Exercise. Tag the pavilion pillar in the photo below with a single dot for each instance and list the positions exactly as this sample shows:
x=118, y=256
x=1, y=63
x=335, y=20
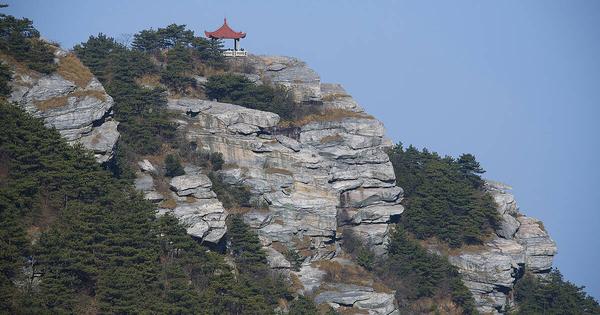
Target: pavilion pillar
x=235, y=44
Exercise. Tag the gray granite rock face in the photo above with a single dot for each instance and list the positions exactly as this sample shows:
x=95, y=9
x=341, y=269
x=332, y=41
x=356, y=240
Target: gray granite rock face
x=82, y=114
x=539, y=247
x=197, y=206
x=333, y=176
x=292, y=73
x=188, y=184
x=146, y=166
x=335, y=97
x=522, y=244
x=360, y=297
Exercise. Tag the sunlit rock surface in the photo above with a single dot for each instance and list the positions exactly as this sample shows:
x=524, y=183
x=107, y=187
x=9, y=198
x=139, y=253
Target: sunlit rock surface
x=80, y=111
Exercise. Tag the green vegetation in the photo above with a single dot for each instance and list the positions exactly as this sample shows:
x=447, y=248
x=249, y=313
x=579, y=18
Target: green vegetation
x=232, y=196
x=176, y=75
x=97, y=244
x=236, y=89
x=173, y=54
x=20, y=40
x=444, y=197
x=422, y=274
x=303, y=306
x=552, y=295
x=144, y=122
x=153, y=41
x=412, y=271
x=173, y=166
x=5, y=77
x=264, y=287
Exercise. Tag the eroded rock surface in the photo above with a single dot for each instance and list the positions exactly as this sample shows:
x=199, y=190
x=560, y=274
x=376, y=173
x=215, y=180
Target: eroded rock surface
x=80, y=111
x=196, y=205
x=330, y=177
x=324, y=178
x=360, y=297
x=521, y=244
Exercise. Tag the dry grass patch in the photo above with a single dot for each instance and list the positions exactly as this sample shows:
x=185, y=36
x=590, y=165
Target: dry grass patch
x=60, y=101
x=168, y=203
x=18, y=67
x=334, y=114
x=333, y=97
x=446, y=250
x=296, y=283
x=71, y=68
x=52, y=103
x=149, y=80
x=276, y=170
x=331, y=138
x=336, y=272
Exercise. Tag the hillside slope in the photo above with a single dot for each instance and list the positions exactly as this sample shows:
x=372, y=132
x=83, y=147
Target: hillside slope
x=289, y=193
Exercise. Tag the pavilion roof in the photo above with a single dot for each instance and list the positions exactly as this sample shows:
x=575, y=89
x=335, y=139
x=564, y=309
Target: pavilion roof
x=225, y=32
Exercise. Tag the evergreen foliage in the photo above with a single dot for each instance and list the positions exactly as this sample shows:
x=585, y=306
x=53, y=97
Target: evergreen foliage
x=20, y=40
x=422, y=274
x=176, y=76
x=444, y=197
x=552, y=295
x=101, y=248
x=173, y=166
x=411, y=270
x=5, y=77
x=236, y=89
x=154, y=41
x=144, y=121
x=303, y=306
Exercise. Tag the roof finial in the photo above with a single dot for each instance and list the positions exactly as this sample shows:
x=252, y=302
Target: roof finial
x=225, y=20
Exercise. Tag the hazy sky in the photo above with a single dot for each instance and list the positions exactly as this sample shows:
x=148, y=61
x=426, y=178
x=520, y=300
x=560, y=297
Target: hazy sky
x=517, y=83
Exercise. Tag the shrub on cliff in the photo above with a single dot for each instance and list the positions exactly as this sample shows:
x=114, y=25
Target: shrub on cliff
x=144, y=121
x=173, y=166
x=153, y=41
x=5, y=77
x=552, y=295
x=236, y=89
x=412, y=271
x=98, y=245
x=444, y=197
x=20, y=40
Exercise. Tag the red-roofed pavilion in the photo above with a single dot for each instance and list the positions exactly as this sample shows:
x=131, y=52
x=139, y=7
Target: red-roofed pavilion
x=225, y=32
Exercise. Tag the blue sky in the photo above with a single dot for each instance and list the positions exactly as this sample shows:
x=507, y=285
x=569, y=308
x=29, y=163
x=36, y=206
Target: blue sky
x=517, y=83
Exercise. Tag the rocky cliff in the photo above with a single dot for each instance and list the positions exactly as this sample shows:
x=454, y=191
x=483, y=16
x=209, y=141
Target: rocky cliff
x=330, y=176
x=491, y=270
x=314, y=182
x=71, y=100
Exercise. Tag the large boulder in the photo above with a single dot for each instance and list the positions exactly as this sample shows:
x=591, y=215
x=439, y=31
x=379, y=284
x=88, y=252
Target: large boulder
x=188, y=184
x=80, y=111
x=360, y=297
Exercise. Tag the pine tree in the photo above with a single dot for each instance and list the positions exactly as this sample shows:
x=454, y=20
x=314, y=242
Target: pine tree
x=173, y=166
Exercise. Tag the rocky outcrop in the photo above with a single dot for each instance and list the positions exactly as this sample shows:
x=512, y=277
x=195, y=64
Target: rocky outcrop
x=70, y=100
x=292, y=73
x=326, y=178
x=330, y=177
x=334, y=96
x=195, y=204
x=359, y=297
x=491, y=270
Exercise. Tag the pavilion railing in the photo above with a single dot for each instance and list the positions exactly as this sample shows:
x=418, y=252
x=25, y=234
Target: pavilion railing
x=235, y=53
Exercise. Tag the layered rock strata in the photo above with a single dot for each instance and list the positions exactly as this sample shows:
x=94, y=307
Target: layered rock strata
x=195, y=204
x=521, y=244
x=325, y=179
x=72, y=101
x=329, y=177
